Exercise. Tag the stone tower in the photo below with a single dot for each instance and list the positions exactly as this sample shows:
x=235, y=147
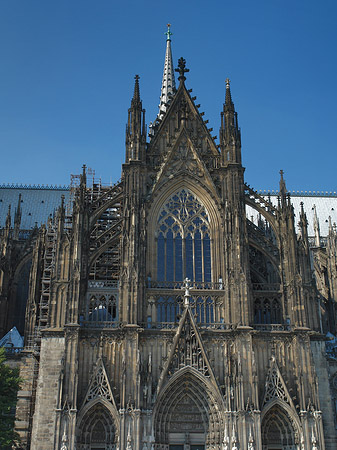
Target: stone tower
x=160, y=317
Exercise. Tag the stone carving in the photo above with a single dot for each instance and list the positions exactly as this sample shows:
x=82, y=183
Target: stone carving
x=99, y=386
x=275, y=386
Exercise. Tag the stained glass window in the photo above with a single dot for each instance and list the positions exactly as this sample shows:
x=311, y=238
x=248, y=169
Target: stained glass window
x=183, y=239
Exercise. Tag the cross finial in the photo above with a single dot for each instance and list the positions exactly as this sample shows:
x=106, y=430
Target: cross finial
x=281, y=173
x=168, y=32
x=187, y=296
x=182, y=69
x=227, y=81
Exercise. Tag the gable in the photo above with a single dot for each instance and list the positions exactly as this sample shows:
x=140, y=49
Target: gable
x=182, y=113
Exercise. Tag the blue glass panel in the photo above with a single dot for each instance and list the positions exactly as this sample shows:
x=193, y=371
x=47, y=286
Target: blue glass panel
x=161, y=310
x=209, y=311
x=178, y=258
x=189, y=257
x=207, y=258
x=200, y=311
x=169, y=256
x=197, y=256
x=171, y=310
x=161, y=258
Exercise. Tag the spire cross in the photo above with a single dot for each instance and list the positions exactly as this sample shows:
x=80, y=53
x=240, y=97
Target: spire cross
x=182, y=69
x=168, y=32
x=227, y=81
x=281, y=173
x=187, y=296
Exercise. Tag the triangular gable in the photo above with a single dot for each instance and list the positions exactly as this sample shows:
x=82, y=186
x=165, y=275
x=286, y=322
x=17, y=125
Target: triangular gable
x=99, y=386
x=187, y=350
x=275, y=386
x=182, y=158
x=182, y=109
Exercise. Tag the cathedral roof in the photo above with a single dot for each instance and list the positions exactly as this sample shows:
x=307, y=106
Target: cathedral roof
x=37, y=202
x=325, y=203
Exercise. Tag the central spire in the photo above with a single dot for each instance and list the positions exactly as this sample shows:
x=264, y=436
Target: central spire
x=168, y=87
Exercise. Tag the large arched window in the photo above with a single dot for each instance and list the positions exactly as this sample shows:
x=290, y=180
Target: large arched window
x=183, y=239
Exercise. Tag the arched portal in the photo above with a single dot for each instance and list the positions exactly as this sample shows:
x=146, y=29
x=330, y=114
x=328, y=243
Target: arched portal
x=278, y=431
x=97, y=430
x=188, y=413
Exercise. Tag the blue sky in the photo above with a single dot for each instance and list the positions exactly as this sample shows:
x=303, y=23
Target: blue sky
x=67, y=69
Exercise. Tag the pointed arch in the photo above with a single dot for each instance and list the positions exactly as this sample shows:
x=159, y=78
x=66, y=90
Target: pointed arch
x=189, y=404
x=209, y=201
x=280, y=426
x=97, y=424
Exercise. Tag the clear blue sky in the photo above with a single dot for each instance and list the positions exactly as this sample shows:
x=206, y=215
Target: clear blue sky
x=67, y=68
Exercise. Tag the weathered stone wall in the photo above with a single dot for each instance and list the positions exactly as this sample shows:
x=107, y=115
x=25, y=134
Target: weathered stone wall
x=47, y=392
x=25, y=403
x=319, y=356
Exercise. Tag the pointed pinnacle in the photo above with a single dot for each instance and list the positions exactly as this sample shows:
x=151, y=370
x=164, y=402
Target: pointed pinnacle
x=136, y=95
x=283, y=189
x=228, y=98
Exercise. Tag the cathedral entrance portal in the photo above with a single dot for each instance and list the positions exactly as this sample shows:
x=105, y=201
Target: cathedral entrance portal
x=97, y=429
x=187, y=415
x=277, y=431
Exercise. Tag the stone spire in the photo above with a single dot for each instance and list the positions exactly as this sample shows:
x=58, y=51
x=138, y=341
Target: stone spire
x=135, y=129
x=168, y=86
x=228, y=98
x=230, y=135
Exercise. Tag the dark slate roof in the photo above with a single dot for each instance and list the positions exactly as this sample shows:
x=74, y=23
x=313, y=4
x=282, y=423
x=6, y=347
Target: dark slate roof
x=37, y=202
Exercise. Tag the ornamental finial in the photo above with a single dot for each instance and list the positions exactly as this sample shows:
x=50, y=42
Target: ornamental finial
x=168, y=32
x=227, y=81
x=182, y=69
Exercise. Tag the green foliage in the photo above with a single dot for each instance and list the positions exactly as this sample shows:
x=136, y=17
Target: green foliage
x=9, y=386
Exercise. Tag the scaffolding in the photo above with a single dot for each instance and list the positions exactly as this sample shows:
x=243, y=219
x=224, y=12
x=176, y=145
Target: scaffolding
x=48, y=267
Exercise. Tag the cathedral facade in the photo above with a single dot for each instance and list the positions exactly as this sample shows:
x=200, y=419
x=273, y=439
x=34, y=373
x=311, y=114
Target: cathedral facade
x=159, y=316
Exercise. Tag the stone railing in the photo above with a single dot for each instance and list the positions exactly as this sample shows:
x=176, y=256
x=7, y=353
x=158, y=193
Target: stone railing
x=100, y=324
x=202, y=285
x=102, y=284
x=272, y=327
x=267, y=287
x=173, y=325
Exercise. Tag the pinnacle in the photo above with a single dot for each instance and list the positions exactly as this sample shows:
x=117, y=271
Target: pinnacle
x=136, y=94
x=283, y=189
x=228, y=98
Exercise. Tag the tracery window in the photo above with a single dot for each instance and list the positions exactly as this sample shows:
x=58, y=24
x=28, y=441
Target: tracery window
x=267, y=311
x=102, y=309
x=169, y=309
x=183, y=239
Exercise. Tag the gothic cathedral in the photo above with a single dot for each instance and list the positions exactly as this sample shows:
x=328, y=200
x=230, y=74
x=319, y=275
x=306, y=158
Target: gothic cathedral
x=160, y=317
